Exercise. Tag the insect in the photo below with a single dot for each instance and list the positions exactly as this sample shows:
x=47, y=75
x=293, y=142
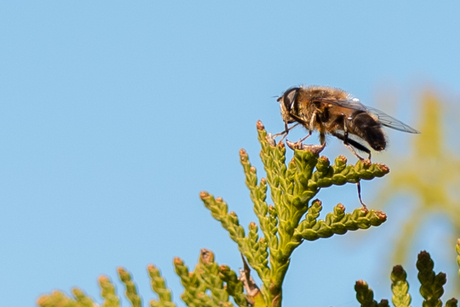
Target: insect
x=333, y=111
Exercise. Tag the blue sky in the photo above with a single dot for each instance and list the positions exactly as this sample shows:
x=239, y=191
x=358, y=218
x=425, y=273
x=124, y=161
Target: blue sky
x=115, y=115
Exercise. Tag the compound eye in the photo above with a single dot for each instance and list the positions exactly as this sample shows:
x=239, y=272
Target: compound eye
x=289, y=98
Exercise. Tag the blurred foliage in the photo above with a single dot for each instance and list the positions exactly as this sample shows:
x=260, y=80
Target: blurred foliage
x=431, y=173
x=431, y=285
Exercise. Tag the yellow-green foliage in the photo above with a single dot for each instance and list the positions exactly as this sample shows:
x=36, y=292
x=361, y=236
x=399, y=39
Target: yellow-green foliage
x=292, y=218
x=431, y=286
x=430, y=173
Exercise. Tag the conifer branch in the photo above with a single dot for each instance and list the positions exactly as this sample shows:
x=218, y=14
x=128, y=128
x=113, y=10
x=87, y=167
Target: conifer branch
x=292, y=218
x=284, y=225
x=431, y=287
x=159, y=287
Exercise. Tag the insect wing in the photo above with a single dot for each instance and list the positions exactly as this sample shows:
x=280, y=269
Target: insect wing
x=383, y=118
x=391, y=122
x=351, y=103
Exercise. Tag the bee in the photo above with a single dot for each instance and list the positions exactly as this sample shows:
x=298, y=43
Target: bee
x=333, y=111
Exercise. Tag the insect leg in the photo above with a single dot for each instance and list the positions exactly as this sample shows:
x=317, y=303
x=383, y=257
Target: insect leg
x=301, y=140
x=310, y=130
x=286, y=131
x=359, y=195
x=322, y=138
x=349, y=143
x=349, y=146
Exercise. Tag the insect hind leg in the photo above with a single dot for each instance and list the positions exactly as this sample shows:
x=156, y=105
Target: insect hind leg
x=359, y=196
x=352, y=144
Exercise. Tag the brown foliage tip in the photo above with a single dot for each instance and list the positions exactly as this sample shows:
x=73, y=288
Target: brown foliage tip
x=260, y=126
x=385, y=169
x=103, y=279
x=360, y=285
x=315, y=149
x=204, y=194
x=381, y=215
x=177, y=261
x=398, y=272
x=151, y=268
x=206, y=256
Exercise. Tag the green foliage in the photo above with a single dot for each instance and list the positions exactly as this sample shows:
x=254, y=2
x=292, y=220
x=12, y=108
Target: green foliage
x=293, y=218
x=208, y=276
x=159, y=287
x=366, y=296
x=131, y=291
x=400, y=287
x=431, y=286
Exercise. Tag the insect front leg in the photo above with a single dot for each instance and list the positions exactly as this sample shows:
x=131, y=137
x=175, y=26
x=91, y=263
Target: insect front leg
x=286, y=131
x=310, y=126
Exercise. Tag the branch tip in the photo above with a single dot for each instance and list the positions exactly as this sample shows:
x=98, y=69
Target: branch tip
x=204, y=194
x=314, y=149
x=103, y=279
x=177, y=261
x=424, y=257
x=381, y=215
x=206, y=256
x=316, y=202
x=360, y=284
x=342, y=158
x=398, y=273
x=280, y=145
x=259, y=125
x=366, y=163
x=151, y=268
x=383, y=168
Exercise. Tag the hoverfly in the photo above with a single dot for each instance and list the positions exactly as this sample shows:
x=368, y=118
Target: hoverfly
x=334, y=111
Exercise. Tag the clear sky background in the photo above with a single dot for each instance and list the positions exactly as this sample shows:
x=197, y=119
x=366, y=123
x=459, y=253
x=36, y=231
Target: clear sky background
x=115, y=115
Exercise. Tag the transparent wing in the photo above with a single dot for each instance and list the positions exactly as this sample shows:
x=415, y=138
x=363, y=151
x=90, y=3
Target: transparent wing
x=383, y=118
x=391, y=122
x=350, y=103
